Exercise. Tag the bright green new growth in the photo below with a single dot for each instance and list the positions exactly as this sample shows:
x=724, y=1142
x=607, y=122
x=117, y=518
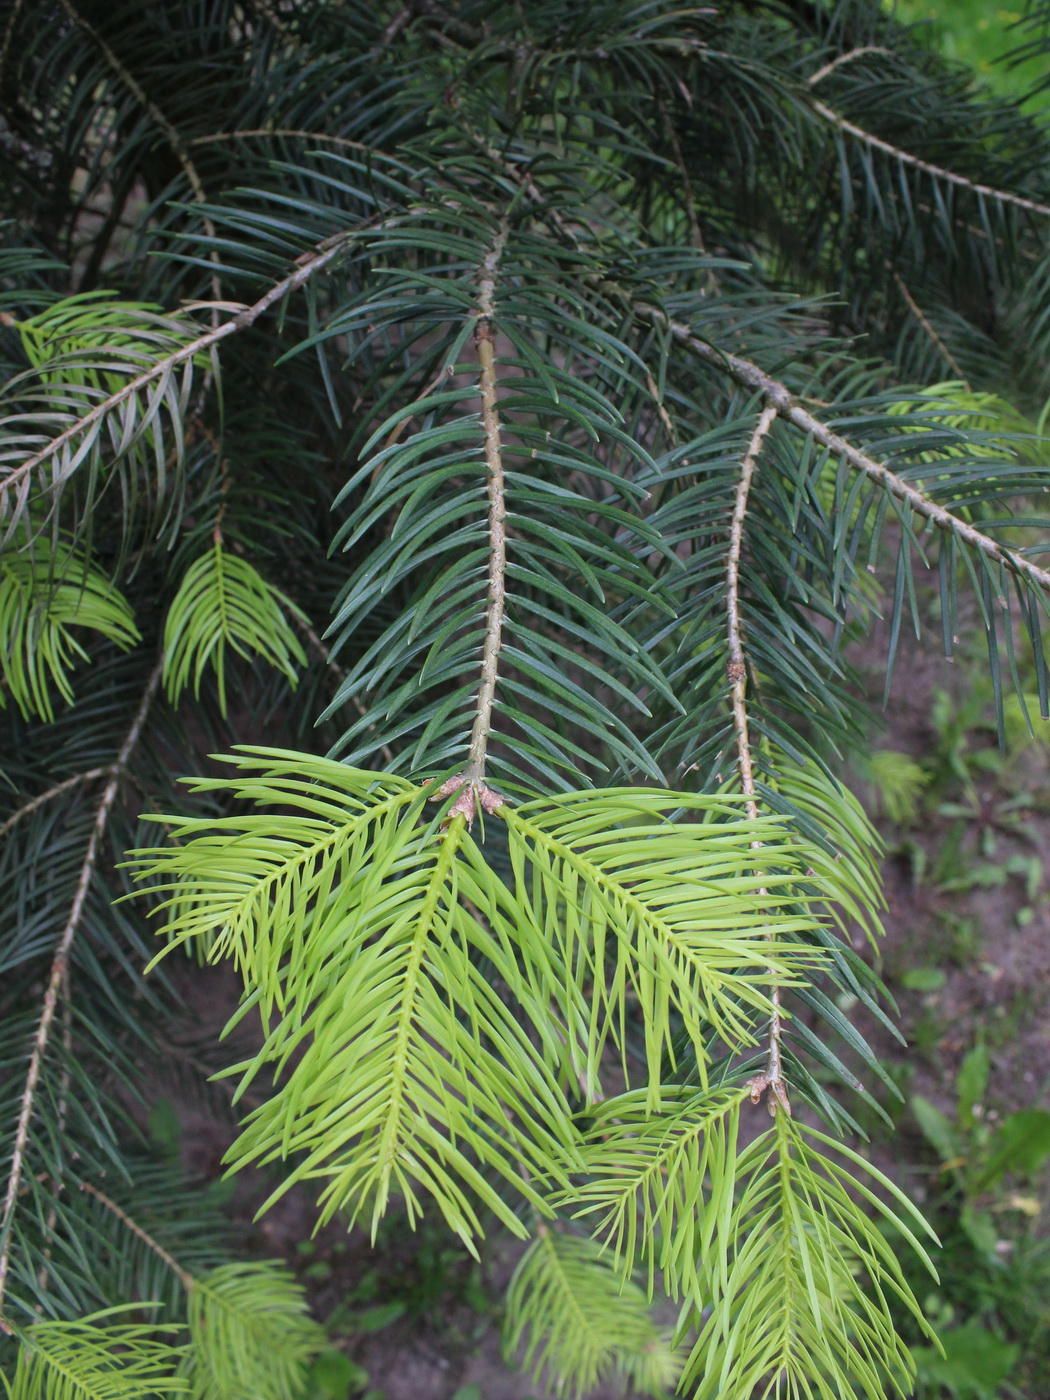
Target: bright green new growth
x=43, y=594
x=249, y=1334
x=224, y=602
x=576, y=1324
x=94, y=1359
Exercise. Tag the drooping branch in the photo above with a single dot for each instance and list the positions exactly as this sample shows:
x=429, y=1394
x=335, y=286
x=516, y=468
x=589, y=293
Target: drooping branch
x=59, y=965
x=927, y=167
x=736, y=669
x=312, y=263
x=747, y=374
x=471, y=783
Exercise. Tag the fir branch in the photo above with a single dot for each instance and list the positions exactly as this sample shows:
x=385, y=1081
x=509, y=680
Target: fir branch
x=927, y=167
x=394, y=28
x=747, y=374
x=171, y=134
x=822, y=73
x=737, y=666
x=59, y=965
x=281, y=131
x=772, y=1079
x=65, y=1083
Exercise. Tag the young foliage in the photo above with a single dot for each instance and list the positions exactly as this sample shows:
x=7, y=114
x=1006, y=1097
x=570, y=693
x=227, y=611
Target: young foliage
x=359, y=925
x=224, y=602
x=45, y=590
x=94, y=1358
x=105, y=400
x=801, y=1277
x=577, y=1325
x=249, y=1334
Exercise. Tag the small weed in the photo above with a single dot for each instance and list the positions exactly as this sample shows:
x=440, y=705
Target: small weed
x=992, y=1305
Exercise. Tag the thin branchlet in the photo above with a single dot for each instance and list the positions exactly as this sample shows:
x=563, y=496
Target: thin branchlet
x=41, y=800
x=59, y=965
x=171, y=133
x=736, y=669
x=924, y=321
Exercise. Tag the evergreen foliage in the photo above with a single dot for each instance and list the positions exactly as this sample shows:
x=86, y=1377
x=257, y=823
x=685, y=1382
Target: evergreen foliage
x=579, y=371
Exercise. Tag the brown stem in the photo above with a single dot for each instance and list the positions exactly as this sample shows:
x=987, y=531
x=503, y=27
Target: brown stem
x=214, y=136
x=822, y=73
x=772, y=1079
x=63, y=1108
x=59, y=964
x=398, y=23
x=485, y=339
x=184, y=1277
x=471, y=782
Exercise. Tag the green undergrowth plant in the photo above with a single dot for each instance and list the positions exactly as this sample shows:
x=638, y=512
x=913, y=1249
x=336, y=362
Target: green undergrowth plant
x=503, y=414
x=992, y=1301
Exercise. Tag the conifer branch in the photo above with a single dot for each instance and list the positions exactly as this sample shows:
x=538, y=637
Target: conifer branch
x=747, y=374
x=924, y=321
x=777, y=395
x=64, y=1086
x=286, y=131
x=822, y=73
x=736, y=669
x=312, y=263
x=59, y=965
x=394, y=28
x=927, y=167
